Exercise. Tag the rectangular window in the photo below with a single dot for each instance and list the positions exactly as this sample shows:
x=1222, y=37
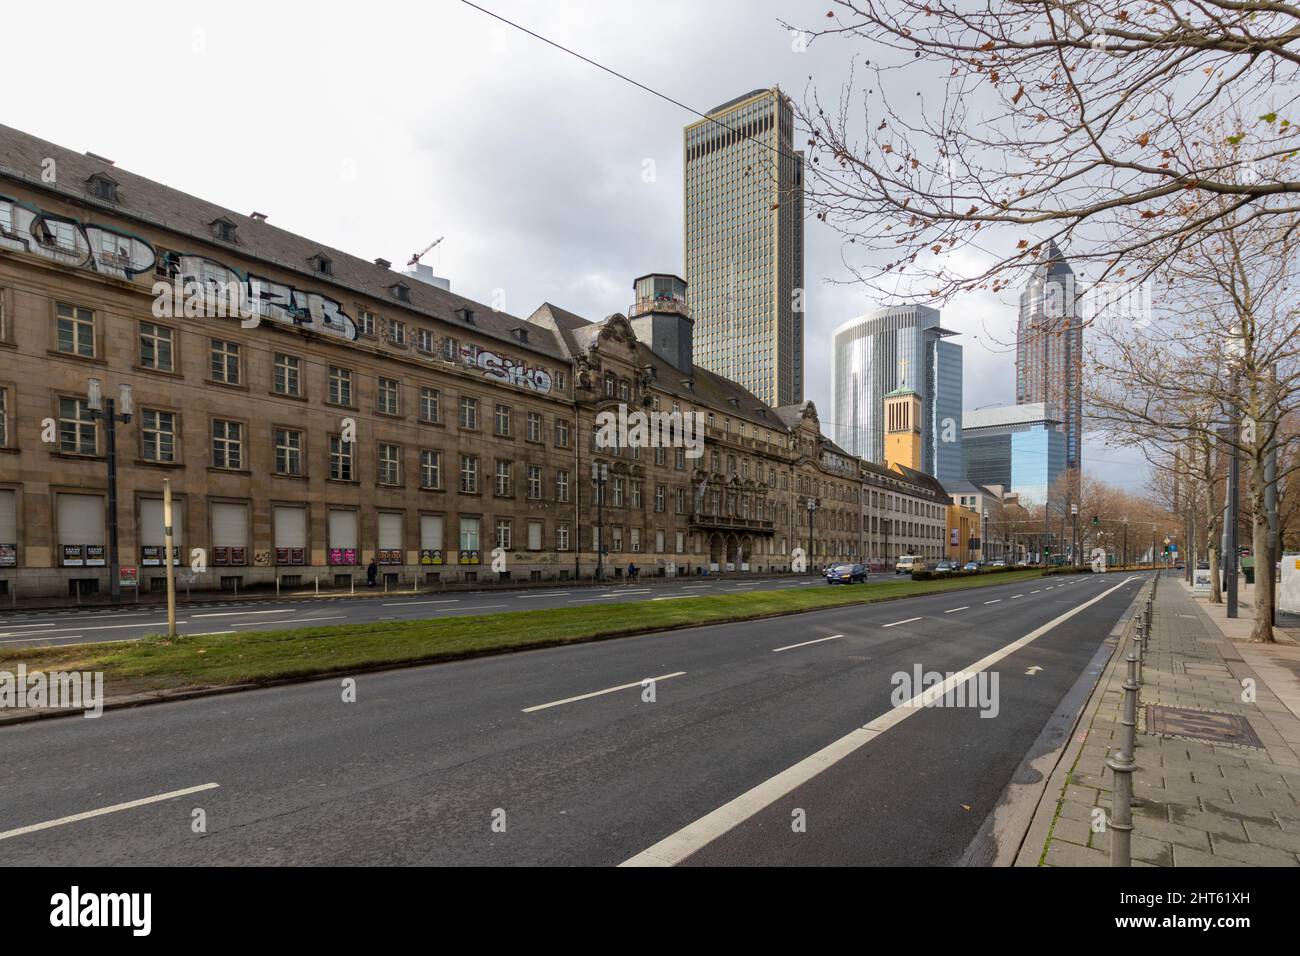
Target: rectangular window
x=618, y=492
x=430, y=404
x=424, y=340
x=288, y=374
x=469, y=536
x=76, y=330
x=390, y=464
x=157, y=435
x=561, y=433
x=225, y=362
x=636, y=540
x=340, y=386
x=636, y=494
x=388, y=396
x=157, y=347
x=4, y=417
x=534, y=426
x=504, y=481
x=561, y=537
x=430, y=468
x=535, y=482
x=397, y=333
x=227, y=444
x=535, y=535
x=661, y=496
x=288, y=451
x=77, y=432
x=561, y=485
x=503, y=420
x=469, y=474
x=450, y=349
x=340, y=459
x=505, y=529
x=366, y=322
x=679, y=459
x=468, y=412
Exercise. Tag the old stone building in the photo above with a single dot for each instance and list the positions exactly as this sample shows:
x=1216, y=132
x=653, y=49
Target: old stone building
x=315, y=411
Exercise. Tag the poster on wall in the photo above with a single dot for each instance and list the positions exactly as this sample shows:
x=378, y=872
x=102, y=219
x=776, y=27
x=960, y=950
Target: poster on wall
x=343, y=556
x=389, y=556
x=95, y=555
x=8, y=555
x=469, y=557
x=73, y=556
x=431, y=556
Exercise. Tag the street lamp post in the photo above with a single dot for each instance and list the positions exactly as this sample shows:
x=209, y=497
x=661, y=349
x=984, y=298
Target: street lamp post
x=812, y=509
x=984, y=537
x=1126, y=541
x=105, y=410
x=1074, y=534
x=599, y=478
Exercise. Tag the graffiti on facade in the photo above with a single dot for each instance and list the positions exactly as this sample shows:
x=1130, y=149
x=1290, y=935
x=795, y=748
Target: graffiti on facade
x=499, y=368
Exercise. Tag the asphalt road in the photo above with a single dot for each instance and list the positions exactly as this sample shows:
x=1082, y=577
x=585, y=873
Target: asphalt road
x=131, y=621
x=560, y=746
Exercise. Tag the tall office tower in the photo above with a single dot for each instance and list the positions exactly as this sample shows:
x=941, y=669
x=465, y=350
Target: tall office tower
x=1049, y=347
x=903, y=347
x=1019, y=447
x=744, y=244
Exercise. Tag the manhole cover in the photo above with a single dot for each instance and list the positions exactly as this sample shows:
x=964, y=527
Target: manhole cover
x=1203, y=725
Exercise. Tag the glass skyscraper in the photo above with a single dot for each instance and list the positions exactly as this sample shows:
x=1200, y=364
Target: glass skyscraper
x=1020, y=447
x=744, y=244
x=1049, y=347
x=900, y=347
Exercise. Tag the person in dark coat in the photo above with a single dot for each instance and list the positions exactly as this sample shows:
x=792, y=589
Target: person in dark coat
x=372, y=572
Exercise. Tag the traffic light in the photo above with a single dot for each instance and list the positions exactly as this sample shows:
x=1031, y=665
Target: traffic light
x=1095, y=521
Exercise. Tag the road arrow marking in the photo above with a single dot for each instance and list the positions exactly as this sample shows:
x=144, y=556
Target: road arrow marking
x=1033, y=670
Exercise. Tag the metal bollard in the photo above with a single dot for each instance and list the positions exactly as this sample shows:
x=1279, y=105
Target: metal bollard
x=1122, y=764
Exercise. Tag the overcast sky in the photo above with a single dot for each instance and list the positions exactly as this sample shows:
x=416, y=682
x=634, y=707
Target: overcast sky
x=379, y=127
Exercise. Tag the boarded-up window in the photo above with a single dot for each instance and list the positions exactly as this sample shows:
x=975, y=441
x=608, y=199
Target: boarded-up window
x=81, y=529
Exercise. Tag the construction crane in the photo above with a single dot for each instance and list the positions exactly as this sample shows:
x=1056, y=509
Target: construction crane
x=415, y=259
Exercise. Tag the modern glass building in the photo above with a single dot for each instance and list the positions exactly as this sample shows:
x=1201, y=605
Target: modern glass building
x=1020, y=447
x=1049, y=347
x=899, y=347
x=744, y=246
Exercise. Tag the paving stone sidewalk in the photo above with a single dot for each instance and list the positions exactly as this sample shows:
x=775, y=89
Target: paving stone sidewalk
x=1196, y=802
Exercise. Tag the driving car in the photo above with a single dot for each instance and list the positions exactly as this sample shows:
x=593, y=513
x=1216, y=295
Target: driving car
x=999, y=563
x=907, y=563
x=846, y=574
x=945, y=567
x=971, y=566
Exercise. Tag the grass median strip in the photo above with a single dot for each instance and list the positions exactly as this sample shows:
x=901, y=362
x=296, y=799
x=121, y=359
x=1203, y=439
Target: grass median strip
x=158, y=663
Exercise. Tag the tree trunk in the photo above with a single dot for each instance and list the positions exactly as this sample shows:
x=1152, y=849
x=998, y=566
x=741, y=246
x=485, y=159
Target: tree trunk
x=1262, y=632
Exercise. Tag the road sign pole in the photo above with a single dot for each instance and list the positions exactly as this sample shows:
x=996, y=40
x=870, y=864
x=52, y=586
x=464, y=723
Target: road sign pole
x=167, y=558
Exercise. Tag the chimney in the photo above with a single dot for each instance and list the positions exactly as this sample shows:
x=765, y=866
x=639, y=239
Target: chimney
x=259, y=216
x=383, y=263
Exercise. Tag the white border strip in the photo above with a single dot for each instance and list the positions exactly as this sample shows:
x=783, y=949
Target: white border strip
x=89, y=814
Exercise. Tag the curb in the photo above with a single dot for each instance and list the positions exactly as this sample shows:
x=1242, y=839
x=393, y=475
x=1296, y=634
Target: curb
x=146, y=698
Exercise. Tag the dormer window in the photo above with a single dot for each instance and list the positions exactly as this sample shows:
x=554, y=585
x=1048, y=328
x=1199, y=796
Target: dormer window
x=521, y=335
x=466, y=315
x=322, y=264
x=223, y=229
x=102, y=187
x=401, y=291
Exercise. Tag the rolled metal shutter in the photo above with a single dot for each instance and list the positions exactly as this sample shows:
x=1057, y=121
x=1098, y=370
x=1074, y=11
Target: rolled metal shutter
x=151, y=523
x=290, y=527
x=343, y=529
x=390, y=531
x=229, y=525
x=534, y=536
x=430, y=532
x=81, y=519
x=8, y=516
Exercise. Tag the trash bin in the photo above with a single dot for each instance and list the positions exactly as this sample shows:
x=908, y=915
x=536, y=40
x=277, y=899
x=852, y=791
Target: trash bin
x=1248, y=569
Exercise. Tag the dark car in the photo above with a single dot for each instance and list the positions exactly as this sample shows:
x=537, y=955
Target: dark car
x=945, y=567
x=845, y=574
x=971, y=566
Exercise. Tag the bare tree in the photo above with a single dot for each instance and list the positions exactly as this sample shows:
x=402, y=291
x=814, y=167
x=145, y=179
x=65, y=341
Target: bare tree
x=1128, y=126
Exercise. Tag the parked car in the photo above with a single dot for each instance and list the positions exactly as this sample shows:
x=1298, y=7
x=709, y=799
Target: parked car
x=846, y=574
x=971, y=566
x=908, y=563
x=945, y=567
x=999, y=563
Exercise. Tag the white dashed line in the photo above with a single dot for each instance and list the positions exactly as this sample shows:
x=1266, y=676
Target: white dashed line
x=896, y=623
x=598, y=693
x=790, y=647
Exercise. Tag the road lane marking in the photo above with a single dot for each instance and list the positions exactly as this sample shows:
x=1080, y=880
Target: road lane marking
x=287, y=610
x=550, y=594
x=598, y=693
x=1014, y=596
x=896, y=623
x=89, y=814
x=790, y=647
x=693, y=837
x=994, y=601
x=298, y=620
x=209, y=633
x=412, y=603
x=1035, y=592
x=671, y=597
x=954, y=610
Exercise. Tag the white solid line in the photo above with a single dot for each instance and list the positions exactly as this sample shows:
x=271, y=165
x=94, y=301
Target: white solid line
x=694, y=836
x=994, y=601
x=287, y=610
x=671, y=597
x=208, y=633
x=130, y=804
x=964, y=607
x=896, y=623
x=60, y=637
x=297, y=620
x=598, y=693
x=790, y=647
x=405, y=603
x=549, y=594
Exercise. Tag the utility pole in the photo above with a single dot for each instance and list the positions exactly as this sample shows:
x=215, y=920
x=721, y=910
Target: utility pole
x=812, y=509
x=167, y=557
x=1074, y=534
x=1232, y=517
x=105, y=410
